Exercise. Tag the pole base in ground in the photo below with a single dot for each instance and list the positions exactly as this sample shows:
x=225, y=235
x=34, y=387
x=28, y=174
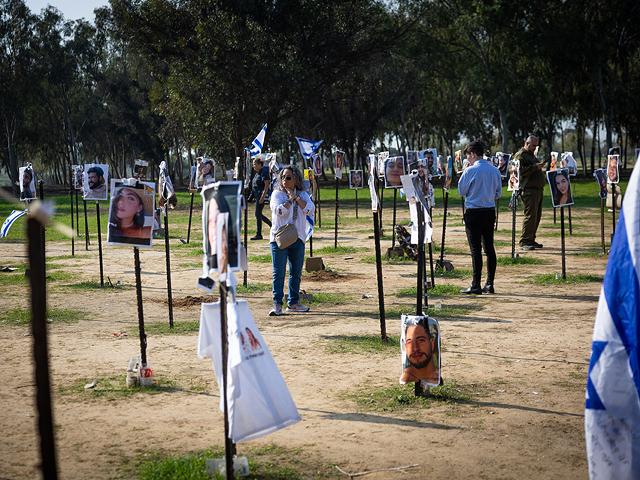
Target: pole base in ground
x=314, y=264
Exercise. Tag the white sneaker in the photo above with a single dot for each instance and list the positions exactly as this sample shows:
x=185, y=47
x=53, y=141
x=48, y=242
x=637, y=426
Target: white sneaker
x=276, y=310
x=297, y=308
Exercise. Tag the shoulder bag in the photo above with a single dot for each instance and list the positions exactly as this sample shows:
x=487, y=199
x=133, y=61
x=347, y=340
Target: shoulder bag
x=287, y=234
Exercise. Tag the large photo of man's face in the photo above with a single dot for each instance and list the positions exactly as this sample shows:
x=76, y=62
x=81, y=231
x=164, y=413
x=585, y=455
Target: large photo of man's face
x=95, y=181
x=613, y=175
x=601, y=178
x=420, y=347
x=27, y=184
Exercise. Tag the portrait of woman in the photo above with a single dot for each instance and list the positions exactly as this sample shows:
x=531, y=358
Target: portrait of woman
x=355, y=179
x=393, y=169
x=613, y=175
x=554, y=159
x=130, y=215
x=317, y=164
x=514, y=176
x=601, y=178
x=206, y=171
x=290, y=204
x=560, y=187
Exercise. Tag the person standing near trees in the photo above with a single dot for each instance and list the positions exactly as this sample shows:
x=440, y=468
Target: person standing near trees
x=532, y=183
x=260, y=187
x=481, y=185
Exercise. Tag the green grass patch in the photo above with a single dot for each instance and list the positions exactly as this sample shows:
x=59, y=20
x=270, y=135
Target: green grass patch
x=597, y=254
x=272, y=462
x=329, y=299
x=520, y=261
x=162, y=328
x=14, y=278
x=260, y=258
x=455, y=273
x=19, y=316
x=401, y=398
x=442, y=290
x=256, y=287
x=60, y=277
x=550, y=279
x=95, y=285
x=393, y=261
x=339, y=250
x=362, y=344
x=115, y=387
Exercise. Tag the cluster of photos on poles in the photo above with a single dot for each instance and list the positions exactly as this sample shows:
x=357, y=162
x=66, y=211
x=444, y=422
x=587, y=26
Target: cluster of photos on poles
x=251, y=370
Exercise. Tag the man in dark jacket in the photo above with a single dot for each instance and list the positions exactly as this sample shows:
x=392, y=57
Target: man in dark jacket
x=531, y=173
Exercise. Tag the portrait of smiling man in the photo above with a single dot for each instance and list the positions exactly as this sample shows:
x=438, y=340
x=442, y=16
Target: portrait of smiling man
x=421, y=352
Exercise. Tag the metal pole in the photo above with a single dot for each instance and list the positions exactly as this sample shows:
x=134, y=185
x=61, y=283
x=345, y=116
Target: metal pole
x=143, y=336
x=41, y=187
x=38, y=281
x=420, y=210
x=564, y=269
x=433, y=277
x=86, y=225
x=613, y=209
x=190, y=213
x=376, y=233
x=570, y=228
x=393, y=228
x=602, y=222
x=335, y=240
x=73, y=245
x=166, y=248
x=514, y=204
x=356, y=203
x=229, y=447
x=99, y=243
x=244, y=175
x=444, y=229
x=77, y=216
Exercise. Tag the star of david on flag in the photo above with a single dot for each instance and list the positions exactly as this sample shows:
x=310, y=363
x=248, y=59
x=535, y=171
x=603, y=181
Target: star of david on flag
x=308, y=147
x=612, y=410
x=257, y=144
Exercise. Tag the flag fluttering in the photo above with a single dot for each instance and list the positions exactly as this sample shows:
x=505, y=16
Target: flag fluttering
x=612, y=410
x=257, y=144
x=308, y=147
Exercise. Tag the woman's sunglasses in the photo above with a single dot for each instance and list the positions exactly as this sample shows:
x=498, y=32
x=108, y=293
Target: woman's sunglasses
x=287, y=177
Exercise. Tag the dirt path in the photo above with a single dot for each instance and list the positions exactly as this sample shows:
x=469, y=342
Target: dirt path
x=516, y=363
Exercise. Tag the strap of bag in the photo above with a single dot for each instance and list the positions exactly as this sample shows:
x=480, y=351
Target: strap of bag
x=295, y=212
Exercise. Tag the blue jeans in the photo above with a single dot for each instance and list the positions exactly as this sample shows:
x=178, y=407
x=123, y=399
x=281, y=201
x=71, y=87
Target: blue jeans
x=295, y=254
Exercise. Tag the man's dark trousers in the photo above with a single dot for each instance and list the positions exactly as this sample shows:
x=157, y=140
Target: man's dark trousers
x=532, y=212
x=260, y=217
x=479, y=223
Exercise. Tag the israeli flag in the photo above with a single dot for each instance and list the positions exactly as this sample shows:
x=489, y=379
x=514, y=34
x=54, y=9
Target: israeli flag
x=256, y=146
x=612, y=411
x=9, y=221
x=308, y=147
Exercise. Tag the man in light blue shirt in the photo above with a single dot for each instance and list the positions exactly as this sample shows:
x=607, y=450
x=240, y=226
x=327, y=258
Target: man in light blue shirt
x=481, y=184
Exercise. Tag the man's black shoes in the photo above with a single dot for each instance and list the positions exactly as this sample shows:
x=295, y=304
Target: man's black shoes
x=472, y=289
x=537, y=245
x=257, y=237
x=488, y=288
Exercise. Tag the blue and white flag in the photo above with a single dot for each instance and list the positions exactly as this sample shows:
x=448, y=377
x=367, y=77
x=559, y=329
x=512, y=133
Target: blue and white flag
x=612, y=411
x=308, y=147
x=9, y=221
x=256, y=146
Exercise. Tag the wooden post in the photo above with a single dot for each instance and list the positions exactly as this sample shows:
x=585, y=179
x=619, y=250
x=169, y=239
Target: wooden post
x=356, y=203
x=38, y=281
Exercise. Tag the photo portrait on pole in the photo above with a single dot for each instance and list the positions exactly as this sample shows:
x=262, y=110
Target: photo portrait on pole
x=339, y=162
x=355, y=179
x=140, y=169
x=131, y=213
x=78, y=176
x=567, y=161
x=613, y=173
x=560, y=186
x=221, y=197
x=513, y=171
x=601, y=177
x=420, y=349
x=317, y=164
x=554, y=161
x=27, y=183
x=95, y=183
x=382, y=158
x=393, y=170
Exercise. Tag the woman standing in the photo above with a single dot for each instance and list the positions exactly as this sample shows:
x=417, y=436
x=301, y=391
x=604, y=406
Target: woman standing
x=290, y=203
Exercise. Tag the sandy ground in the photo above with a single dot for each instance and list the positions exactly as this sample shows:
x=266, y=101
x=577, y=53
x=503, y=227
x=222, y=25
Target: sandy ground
x=520, y=357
